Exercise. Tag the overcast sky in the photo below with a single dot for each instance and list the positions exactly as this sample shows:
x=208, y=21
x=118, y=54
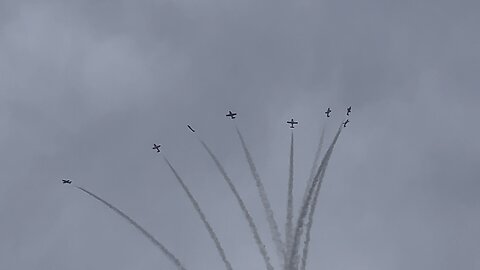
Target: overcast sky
x=87, y=87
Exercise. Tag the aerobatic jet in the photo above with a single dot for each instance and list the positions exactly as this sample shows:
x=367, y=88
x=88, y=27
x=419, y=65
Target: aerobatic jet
x=66, y=181
x=328, y=112
x=345, y=123
x=190, y=128
x=349, y=110
x=156, y=147
x=291, y=122
x=231, y=114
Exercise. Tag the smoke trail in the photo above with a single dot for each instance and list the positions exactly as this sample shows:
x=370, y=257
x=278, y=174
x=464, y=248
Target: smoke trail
x=253, y=227
x=167, y=253
x=277, y=239
x=315, y=164
x=210, y=230
x=288, y=225
x=309, y=226
x=313, y=204
x=293, y=257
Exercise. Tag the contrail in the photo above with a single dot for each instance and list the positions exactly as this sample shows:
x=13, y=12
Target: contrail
x=312, y=206
x=139, y=228
x=277, y=239
x=210, y=230
x=288, y=225
x=293, y=257
x=253, y=227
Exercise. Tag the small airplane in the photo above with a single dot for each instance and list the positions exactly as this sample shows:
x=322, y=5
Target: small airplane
x=291, y=122
x=66, y=181
x=190, y=128
x=328, y=112
x=230, y=114
x=345, y=123
x=156, y=147
x=349, y=110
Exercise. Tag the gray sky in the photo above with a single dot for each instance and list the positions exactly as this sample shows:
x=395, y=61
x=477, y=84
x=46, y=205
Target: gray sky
x=87, y=87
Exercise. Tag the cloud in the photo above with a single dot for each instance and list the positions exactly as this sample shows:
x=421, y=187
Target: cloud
x=88, y=86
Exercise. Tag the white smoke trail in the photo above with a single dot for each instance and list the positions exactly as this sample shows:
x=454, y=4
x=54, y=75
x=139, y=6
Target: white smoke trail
x=288, y=225
x=277, y=239
x=315, y=164
x=167, y=253
x=309, y=226
x=251, y=223
x=312, y=206
x=209, y=228
x=293, y=257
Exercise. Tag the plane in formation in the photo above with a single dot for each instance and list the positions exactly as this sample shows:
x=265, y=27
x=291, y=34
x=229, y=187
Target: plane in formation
x=66, y=181
x=156, y=147
x=345, y=123
x=291, y=122
x=231, y=114
x=349, y=110
x=328, y=112
x=190, y=128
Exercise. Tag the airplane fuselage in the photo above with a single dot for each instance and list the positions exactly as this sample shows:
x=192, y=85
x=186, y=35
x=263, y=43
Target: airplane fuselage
x=328, y=112
x=156, y=147
x=291, y=122
x=231, y=115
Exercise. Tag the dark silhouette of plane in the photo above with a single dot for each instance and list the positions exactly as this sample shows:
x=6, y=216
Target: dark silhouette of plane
x=190, y=128
x=328, y=112
x=349, y=110
x=230, y=114
x=156, y=147
x=66, y=181
x=345, y=123
x=291, y=122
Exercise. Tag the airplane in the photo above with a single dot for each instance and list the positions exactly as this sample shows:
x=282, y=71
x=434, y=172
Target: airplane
x=156, y=147
x=345, y=123
x=328, y=112
x=66, y=181
x=190, y=128
x=291, y=122
x=230, y=114
x=349, y=110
